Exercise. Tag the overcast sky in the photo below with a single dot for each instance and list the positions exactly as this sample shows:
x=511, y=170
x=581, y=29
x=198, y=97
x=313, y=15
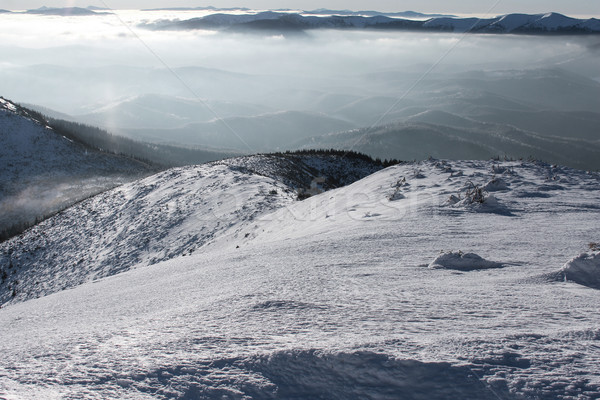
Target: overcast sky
x=572, y=7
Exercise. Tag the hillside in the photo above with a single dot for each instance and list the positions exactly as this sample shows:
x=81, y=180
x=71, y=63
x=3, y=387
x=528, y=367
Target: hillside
x=430, y=280
x=43, y=172
x=171, y=214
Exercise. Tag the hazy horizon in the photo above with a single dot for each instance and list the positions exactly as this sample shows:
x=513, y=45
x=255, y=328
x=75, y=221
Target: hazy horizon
x=277, y=91
x=573, y=8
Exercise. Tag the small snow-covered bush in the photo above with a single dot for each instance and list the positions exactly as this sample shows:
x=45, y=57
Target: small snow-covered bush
x=397, y=193
x=474, y=194
x=594, y=246
x=418, y=174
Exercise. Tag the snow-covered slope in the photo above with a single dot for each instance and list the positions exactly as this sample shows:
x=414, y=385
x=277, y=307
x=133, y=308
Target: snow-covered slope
x=171, y=214
x=330, y=297
x=43, y=172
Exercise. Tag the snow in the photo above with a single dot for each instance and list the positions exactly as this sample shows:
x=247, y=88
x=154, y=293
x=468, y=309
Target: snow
x=170, y=214
x=7, y=105
x=462, y=261
x=583, y=269
x=495, y=185
x=322, y=298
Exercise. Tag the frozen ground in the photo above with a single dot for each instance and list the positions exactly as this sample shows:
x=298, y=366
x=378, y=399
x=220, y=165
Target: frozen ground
x=332, y=297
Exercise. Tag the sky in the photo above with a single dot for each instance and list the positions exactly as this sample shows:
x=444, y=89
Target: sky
x=571, y=7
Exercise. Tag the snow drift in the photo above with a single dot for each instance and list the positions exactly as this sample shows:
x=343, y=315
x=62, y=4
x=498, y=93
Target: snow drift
x=462, y=262
x=583, y=269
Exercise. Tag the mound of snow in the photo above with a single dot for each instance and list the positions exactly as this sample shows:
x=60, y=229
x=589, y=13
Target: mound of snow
x=462, y=262
x=495, y=185
x=477, y=199
x=583, y=269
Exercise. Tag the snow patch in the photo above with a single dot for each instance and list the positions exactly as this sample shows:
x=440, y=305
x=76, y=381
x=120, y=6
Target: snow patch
x=8, y=105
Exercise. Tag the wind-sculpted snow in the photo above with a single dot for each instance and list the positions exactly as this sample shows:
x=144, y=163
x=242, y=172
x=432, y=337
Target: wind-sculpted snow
x=328, y=297
x=583, y=269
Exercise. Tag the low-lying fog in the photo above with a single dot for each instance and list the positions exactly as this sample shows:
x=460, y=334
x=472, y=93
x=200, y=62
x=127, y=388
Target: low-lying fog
x=503, y=94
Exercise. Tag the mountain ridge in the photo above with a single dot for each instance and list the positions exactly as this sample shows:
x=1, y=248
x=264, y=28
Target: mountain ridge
x=532, y=24
x=173, y=213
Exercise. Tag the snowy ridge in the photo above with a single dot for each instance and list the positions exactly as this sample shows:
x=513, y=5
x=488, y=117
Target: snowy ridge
x=171, y=214
x=283, y=21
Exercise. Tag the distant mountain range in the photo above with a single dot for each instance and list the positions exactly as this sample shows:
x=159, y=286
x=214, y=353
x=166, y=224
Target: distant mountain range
x=65, y=11
x=289, y=21
x=370, y=13
x=550, y=23
x=319, y=11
